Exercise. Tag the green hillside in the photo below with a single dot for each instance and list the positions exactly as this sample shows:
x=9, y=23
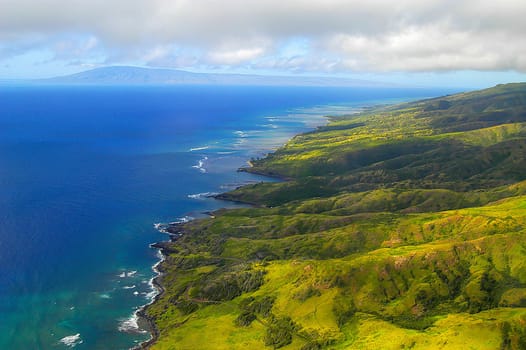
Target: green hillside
x=402, y=227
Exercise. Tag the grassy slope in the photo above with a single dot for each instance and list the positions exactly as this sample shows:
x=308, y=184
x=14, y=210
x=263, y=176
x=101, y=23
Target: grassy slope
x=403, y=227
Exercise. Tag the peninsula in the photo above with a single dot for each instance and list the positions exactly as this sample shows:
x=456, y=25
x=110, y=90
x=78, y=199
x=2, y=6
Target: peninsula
x=402, y=227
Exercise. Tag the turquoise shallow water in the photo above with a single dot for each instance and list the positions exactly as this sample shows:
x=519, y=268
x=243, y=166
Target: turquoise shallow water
x=86, y=172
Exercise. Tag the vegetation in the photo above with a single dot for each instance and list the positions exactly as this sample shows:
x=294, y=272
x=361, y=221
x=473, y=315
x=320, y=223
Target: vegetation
x=400, y=228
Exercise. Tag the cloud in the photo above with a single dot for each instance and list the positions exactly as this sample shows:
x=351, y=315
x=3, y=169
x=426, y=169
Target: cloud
x=430, y=48
x=236, y=56
x=335, y=35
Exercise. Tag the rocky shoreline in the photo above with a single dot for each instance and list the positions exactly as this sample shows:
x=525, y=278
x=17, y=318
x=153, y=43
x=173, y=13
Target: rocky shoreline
x=174, y=231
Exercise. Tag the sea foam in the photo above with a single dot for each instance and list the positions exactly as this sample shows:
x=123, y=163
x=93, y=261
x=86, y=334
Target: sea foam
x=71, y=340
x=203, y=195
x=163, y=227
x=201, y=165
x=125, y=274
x=199, y=148
x=131, y=325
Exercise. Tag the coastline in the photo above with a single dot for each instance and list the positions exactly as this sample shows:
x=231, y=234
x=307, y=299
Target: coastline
x=174, y=231
x=149, y=324
x=384, y=262
x=145, y=322
x=125, y=187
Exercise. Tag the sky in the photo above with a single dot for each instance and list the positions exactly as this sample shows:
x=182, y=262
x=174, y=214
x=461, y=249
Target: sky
x=471, y=43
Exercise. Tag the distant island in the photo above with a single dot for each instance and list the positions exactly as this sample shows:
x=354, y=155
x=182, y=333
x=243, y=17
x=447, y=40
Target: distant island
x=403, y=227
x=124, y=75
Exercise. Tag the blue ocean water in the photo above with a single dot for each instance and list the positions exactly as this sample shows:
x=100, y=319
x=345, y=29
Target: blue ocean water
x=86, y=172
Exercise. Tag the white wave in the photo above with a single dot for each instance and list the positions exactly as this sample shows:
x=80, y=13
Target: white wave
x=125, y=274
x=129, y=287
x=182, y=220
x=154, y=291
x=131, y=324
x=199, y=148
x=151, y=294
x=105, y=296
x=163, y=227
x=71, y=340
x=241, y=133
x=201, y=165
x=203, y=195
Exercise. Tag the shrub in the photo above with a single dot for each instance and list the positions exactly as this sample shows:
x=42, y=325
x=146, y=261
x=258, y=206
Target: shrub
x=263, y=306
x=311, y=346
x=513, y=335
x=186, y=306
x=343, y=308
x=279, y=332
x=245, y=318
x=227, y=287
x=250, y=307
x=306, y=293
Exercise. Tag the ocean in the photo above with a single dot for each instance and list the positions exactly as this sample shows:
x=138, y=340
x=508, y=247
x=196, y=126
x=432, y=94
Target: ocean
x=86, y=172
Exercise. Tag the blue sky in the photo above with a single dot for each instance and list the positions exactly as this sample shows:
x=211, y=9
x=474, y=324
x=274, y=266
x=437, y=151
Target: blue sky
x=462, y=43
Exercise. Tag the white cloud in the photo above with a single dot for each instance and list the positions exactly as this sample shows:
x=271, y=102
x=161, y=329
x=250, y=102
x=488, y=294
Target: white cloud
x=344, y=35
x=236, y=56
x=431, y=48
